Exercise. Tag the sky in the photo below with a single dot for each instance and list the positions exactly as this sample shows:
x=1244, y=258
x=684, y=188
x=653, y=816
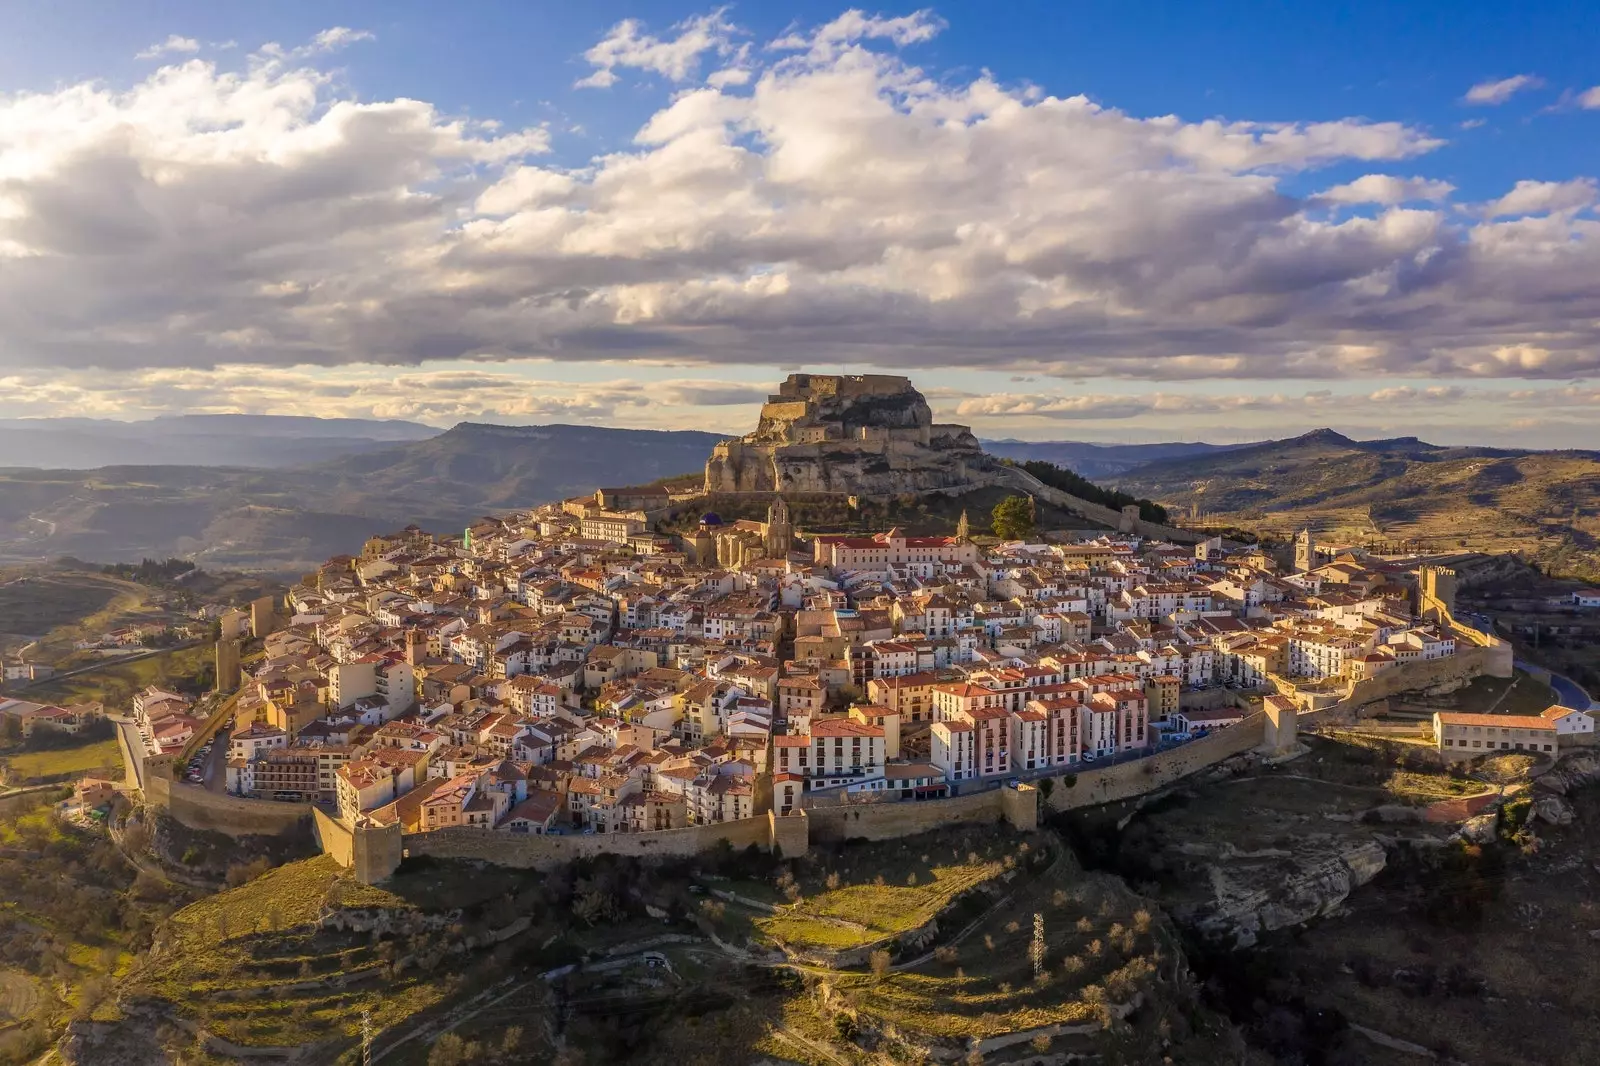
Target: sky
x=1118, y=222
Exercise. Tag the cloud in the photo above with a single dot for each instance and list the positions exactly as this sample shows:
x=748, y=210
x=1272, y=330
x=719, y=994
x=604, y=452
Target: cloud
x=173, y=45
x=854, y=25
x=1537, y=197
x=677, y=59
x=336, y=37
x=708, y=394
x=1388, y=190
x=1589, y=99
x=838, y=205
x=1165, y=405
x=1494, y=93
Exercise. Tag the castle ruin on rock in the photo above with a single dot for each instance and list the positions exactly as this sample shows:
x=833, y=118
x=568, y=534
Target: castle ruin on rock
x=862, y=434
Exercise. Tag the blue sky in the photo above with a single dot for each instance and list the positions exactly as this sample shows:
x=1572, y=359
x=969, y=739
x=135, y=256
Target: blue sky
x=1374, y=216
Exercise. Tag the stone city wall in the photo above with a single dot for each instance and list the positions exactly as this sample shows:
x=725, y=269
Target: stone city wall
x=198, y=808
x=1016, y=477
x=1130, y=779
x=333, y=836
x=542, y=852
x=886, y=821
x=1467, y=663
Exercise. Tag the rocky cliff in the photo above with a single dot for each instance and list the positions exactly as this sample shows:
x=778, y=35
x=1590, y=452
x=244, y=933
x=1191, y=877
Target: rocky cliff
x=867, y=435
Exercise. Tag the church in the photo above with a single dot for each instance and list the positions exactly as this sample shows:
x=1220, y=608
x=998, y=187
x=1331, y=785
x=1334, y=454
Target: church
x=743, y=542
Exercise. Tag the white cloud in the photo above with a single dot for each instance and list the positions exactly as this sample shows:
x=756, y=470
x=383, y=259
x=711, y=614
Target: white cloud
x=677, y=59
x=1589, y=99
x=1537, y=197
x=1388, y=190
x=839, y=205
x=854, y=25
x=1493, y=93
x=173, y=45
x=336, y=37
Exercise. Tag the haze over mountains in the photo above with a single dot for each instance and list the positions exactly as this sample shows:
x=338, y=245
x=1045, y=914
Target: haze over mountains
x=294, y=515
x=281, y=493
x=204, y=440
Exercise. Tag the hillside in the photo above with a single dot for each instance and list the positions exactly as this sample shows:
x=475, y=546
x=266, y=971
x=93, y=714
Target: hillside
x=284, y=520
x=1100, y=461
x=1396, y=490
x=475, y=467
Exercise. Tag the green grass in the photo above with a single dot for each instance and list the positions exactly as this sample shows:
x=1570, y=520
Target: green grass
x=34, y=606
x=115, y=683
x=862, y=894
x=41, y=765
x=1097, y=939
x=1426, y=787
x=1520, y=694
x=853, y=915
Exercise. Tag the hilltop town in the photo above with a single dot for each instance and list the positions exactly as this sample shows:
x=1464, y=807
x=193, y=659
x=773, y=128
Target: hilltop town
x=567, y=670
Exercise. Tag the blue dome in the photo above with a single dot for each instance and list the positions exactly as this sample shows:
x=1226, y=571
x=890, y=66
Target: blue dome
x=710, y=518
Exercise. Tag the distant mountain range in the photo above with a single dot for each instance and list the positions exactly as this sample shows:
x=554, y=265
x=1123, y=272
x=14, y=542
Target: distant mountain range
x=1545, y=504
x=1099, y=462
x=285, y=493
x=204, y=440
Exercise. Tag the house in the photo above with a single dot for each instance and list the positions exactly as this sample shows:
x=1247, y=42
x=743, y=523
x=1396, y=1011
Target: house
x=1587, y=598
x=837, y=751
x=1466, y=735
x=914, y=781
x=363, y=785
x=537, y=815
x=1197, y=721
x=93, y=792
x=1569, y=721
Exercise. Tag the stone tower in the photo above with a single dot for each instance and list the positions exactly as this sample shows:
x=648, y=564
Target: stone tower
x=227, y=665
x=779, y=531
x=1305, y=552
x=704, y=546
x=1436, y=593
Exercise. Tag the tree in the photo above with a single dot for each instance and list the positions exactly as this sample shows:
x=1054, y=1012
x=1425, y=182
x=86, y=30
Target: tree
x=451, y=1050
x=1012, y=518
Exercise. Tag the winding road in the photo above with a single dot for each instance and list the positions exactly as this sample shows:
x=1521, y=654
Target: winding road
x=1569, y=691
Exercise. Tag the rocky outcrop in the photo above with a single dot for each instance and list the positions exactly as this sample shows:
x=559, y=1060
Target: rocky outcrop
x=866, y=435
x=1248, y=899
x=1578, y=768
x=1550, y=808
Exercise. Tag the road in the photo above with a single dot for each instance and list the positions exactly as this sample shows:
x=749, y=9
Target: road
x=1567, y=690
x=134, y=746
x=216, y=767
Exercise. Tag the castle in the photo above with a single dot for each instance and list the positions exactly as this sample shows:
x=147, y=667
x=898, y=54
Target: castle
x=865, y=434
